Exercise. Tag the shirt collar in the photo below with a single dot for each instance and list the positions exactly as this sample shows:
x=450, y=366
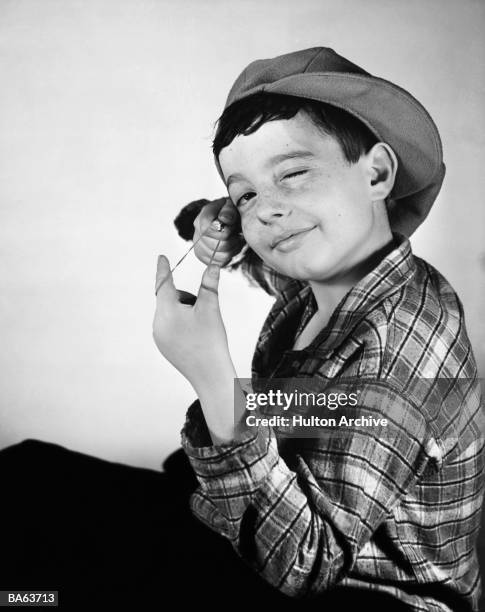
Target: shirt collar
x=392, y=272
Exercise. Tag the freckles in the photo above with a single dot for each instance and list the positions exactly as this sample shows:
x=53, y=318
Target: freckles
x=250, y=230
x=248, y=220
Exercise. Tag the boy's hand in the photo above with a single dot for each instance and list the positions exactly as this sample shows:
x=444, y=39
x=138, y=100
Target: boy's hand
x=192, y=338
x=231, y=240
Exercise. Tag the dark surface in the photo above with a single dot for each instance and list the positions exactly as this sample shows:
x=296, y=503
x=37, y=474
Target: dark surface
x=107, y=535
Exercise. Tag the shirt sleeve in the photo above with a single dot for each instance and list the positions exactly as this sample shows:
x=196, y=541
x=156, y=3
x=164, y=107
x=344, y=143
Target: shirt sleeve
x=301, y=521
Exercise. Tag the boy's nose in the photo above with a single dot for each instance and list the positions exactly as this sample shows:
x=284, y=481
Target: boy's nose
x=271, y=208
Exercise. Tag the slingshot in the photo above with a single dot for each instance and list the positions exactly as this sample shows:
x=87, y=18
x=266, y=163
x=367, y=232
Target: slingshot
x=184, y=297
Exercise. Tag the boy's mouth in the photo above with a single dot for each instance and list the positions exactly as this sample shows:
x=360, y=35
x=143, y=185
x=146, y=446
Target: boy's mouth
x=283, y=239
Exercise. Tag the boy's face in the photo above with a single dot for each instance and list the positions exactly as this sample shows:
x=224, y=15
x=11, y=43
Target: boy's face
x=287, y=178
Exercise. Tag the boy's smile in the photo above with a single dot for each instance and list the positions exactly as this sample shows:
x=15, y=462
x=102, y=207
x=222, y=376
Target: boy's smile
x=289, y=240
x=305, y=210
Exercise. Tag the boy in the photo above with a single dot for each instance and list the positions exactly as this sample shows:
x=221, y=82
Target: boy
x=329, y=170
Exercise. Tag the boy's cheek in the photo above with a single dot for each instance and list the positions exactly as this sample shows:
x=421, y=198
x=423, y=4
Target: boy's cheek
x=257, y=239
x=249, y=230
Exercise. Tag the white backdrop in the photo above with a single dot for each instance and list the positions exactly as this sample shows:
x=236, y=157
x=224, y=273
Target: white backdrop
x=106, y=117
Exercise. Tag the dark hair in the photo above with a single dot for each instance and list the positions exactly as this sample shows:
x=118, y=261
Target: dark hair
x=249, y=114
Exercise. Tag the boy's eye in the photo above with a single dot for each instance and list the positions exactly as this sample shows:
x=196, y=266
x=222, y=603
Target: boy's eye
x=295, y=173
x=245, y=198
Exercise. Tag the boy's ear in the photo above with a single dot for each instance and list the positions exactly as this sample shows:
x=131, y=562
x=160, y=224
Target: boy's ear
x=382, y=166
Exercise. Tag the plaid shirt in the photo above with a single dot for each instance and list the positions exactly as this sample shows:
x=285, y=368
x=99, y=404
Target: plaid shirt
x=396, y=515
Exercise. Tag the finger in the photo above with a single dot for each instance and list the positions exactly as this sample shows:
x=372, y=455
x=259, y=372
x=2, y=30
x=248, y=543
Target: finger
x=208, y=213
x=232, y=246
x=212, y=231
x=164, y=287
x=214, y=228
x=208, y=296
x=228, y=214
x=210, y=244
x=221, y=259
x=212, y=215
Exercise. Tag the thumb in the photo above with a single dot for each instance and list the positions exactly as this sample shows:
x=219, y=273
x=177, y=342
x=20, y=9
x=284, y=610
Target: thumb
x=164, y=287
x=209, y=288
x=228, y=213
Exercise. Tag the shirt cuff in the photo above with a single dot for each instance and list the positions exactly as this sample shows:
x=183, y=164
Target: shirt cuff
x=195, y=432
x=215, y=460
